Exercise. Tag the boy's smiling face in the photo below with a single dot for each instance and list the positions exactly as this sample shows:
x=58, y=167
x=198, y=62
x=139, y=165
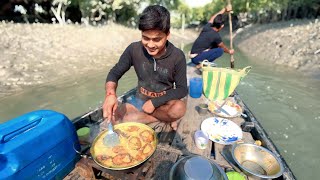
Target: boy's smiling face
x=155, y=42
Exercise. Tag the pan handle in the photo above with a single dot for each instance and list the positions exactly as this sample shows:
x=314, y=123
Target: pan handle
x=157, y=126
x=82, y=151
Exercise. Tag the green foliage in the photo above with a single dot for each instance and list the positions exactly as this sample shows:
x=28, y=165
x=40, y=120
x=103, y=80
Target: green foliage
x=198, y=14
x=127, y=14
x=182, y=11
x=126, y=11
x=169, y=4
x=260, y=11
x=121, y=11
x=212, y=8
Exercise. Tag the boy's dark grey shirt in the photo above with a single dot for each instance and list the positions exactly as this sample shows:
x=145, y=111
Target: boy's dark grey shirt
x=155, y=76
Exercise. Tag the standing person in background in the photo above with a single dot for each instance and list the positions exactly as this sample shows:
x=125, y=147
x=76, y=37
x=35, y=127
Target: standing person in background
x=158, y=65
x=209, y=45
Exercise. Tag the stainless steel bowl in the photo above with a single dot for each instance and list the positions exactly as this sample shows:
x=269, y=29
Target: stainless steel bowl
x=257, y=161
x=203, y=109
x=196, y=167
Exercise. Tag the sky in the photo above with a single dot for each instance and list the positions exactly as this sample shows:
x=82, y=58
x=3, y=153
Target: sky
x=197, y=3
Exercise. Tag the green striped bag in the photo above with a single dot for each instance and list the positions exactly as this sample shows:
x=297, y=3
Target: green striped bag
x=219, y=83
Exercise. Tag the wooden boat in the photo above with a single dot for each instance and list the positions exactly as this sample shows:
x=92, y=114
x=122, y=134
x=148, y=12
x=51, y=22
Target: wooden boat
x=175, y=144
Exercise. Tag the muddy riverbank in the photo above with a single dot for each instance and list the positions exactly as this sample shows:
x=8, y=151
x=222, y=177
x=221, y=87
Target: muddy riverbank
x=34, y=54
x=293, y=43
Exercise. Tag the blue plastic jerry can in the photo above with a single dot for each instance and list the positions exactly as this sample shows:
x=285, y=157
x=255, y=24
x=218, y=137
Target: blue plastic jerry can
x=37, y=145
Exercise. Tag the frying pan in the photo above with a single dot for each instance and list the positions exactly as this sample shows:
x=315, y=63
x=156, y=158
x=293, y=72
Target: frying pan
x=121, y=126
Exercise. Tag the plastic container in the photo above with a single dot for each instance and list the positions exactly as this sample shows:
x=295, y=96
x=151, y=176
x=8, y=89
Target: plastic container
x=37, y=145
x=232, y=175
x=195, y=87
x=84, y=134
x=196, y=167
x=201, y=139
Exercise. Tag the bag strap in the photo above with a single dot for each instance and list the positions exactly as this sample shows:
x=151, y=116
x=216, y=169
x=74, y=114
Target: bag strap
x=206, y=63
x=246, y=70
x=209, y=66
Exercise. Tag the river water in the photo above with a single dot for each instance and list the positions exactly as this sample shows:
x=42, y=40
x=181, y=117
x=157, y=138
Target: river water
x=285, y=102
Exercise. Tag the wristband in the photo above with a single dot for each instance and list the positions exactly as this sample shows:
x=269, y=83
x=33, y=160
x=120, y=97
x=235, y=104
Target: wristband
x=108, y=94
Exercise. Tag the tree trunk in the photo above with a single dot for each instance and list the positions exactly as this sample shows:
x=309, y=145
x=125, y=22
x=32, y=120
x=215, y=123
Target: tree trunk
x=295, y=12
x=275, y=16
x=290, y=12
x=183, y=19
x=247, y=6
x=284, y=13
x=258, y=18
x=57, y=13
x=304, y=12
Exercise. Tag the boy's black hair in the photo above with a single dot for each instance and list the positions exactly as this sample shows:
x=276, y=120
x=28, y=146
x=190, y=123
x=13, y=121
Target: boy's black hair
x=218, y=21
x=155, y=17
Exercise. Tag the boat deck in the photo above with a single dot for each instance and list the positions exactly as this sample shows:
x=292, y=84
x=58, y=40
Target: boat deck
x=171, y=146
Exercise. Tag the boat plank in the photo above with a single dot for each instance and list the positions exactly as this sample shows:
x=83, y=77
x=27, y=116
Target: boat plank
x=218, y=157
x=164, y=159
x=81, y=171
x=156, y=167
x=246, y=136
x=190, y=123
x=173, y=145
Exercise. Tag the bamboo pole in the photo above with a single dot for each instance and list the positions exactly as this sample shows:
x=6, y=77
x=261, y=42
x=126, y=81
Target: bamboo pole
x=231, y=44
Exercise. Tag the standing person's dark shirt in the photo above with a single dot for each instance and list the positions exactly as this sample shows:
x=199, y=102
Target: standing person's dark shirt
x=208, y=39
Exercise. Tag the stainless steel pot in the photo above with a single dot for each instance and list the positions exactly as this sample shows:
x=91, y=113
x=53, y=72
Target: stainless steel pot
x=257, y=161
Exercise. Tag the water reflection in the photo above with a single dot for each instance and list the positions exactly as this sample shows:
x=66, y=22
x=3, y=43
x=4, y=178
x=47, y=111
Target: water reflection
x=72, y=96
x=287, y=105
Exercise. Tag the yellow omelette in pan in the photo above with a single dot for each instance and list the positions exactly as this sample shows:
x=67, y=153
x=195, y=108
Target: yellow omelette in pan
x=137, y=143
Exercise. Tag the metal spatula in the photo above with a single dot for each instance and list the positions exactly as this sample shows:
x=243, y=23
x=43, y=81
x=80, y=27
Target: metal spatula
x=112, y=138
x=220, y=108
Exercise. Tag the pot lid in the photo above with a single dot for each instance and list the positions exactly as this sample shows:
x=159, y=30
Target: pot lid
x=198, y=168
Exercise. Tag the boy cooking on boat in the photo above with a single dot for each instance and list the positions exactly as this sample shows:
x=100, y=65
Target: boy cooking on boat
x=209, y=45
x=161, y=72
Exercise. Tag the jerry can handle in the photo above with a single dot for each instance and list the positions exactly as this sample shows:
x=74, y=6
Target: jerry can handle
x=83, y=152
x=7, y=136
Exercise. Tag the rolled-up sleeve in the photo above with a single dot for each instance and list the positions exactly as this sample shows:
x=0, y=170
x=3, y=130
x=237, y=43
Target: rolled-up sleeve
x=123, y=65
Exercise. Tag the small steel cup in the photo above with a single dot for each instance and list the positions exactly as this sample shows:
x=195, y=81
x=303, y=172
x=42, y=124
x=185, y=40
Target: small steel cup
x=203, y=109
